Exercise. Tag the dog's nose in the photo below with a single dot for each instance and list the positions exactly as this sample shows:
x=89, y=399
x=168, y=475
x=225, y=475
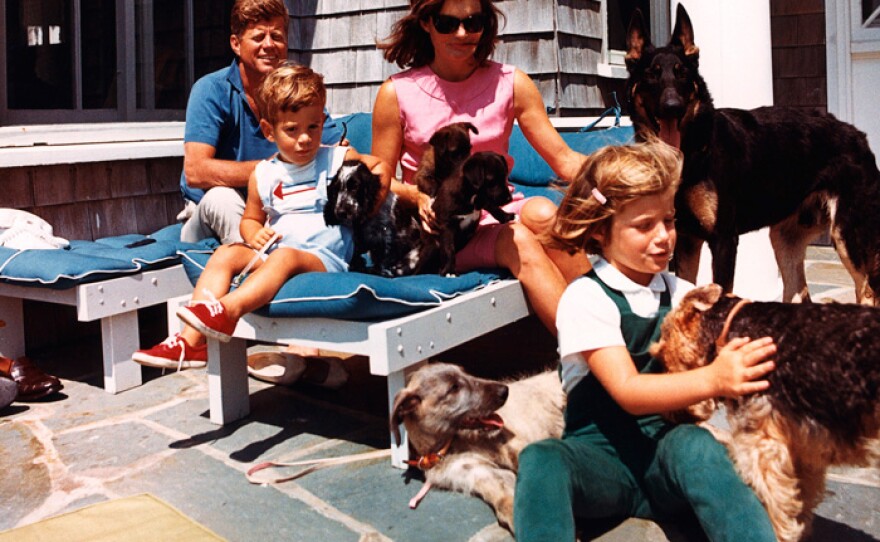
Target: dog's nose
x=502, y=392
x=671, y=104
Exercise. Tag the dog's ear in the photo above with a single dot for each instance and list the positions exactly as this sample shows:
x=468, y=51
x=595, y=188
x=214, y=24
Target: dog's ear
x=683, y=34
x=471, y=127
x=330, y=217
x=703, y=298
x=472, y=174
x=369, y=189
x=405, y=403
x=638, y=40
x=436, y=138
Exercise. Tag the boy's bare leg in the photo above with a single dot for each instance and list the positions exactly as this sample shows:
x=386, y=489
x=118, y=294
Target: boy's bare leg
x=267, y=279
x=226, y=262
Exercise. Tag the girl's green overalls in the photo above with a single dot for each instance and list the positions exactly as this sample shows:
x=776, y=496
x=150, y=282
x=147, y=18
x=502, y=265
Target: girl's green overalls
x=611, y=464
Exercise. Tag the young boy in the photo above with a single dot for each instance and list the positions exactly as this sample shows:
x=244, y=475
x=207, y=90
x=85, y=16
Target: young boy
x=286, y=196
x=222, y=140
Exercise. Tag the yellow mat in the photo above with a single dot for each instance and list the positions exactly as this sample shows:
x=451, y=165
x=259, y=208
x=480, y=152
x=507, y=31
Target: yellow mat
x=140, y=518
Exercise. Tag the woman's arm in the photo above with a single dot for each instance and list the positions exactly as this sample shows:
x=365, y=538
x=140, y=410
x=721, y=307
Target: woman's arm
x=253, y=221
x=734, y=372
x=388, y=139
x=529, y=109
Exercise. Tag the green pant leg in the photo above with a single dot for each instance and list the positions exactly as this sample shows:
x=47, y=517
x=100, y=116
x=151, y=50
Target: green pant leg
x=693, y=469
x=557, y=478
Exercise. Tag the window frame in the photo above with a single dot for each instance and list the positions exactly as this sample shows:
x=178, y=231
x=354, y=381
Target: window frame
x=612, y=62
x=126, y=84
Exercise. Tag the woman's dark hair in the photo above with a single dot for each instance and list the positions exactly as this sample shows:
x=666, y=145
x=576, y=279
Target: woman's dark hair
x=409, y=46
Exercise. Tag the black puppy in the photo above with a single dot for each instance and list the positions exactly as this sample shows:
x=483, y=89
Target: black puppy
x=798, y=172
x=391, y=237
x=459, y=200
x=449, y=147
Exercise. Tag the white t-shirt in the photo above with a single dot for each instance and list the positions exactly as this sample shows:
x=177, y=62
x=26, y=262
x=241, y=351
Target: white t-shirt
x=587, y=319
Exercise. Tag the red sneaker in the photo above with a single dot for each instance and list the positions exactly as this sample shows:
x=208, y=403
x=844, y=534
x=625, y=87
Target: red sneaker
x=173, y=353
x=208, y=317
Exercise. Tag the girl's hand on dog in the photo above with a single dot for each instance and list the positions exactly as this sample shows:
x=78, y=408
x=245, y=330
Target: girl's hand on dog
x=740, y=364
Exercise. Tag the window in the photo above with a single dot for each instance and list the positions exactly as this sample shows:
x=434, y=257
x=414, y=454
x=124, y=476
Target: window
x=871, y=13
x=106, y=60
x=617, y=15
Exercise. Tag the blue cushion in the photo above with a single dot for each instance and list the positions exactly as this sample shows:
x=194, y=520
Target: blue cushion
x=359, y=133
x=553, y=192
x=530, y=169
x=356, y=296
x=91, y=261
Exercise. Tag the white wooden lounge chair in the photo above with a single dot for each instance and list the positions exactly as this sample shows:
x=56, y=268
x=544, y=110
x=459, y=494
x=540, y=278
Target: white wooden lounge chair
x=397, y=344
x=394, y=346
x=106, y=280
x=114, y=302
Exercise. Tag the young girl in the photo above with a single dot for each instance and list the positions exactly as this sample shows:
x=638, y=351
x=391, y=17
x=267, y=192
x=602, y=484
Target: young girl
x=618, y=458
x=289, y=190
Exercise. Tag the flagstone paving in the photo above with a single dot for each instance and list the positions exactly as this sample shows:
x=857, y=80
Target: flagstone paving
x=88, y=446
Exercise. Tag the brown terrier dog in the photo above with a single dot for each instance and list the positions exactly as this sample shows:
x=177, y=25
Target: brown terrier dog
x=822, y=405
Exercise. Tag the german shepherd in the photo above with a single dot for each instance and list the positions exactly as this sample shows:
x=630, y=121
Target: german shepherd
x=798, y=172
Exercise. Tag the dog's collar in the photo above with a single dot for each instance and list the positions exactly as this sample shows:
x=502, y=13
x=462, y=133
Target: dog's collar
x=430, y=460
x=722, y=338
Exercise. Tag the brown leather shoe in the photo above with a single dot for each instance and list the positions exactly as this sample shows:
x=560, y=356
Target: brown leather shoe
x=32, y=383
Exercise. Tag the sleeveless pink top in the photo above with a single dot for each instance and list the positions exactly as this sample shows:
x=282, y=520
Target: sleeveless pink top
x=428, y=103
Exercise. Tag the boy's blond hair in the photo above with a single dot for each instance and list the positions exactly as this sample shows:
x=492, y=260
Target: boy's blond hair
x=291, y=87
x=248, y=12
x=621, y=174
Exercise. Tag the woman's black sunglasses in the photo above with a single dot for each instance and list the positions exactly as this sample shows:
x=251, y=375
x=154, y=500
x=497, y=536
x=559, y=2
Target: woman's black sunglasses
x=447, y=24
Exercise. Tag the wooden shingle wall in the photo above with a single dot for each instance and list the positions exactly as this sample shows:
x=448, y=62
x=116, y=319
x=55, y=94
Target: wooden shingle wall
x=98, y=199
x=799, y=67
x=556, y=42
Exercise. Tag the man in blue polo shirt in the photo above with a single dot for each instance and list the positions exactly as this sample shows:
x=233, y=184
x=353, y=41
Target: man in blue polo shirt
x=222, y=145
x=222, y=140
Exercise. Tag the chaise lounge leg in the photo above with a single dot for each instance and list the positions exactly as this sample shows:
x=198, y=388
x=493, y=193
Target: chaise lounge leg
x=399, y=452
x=228, y=394
x=119, y=338
x=11, y=327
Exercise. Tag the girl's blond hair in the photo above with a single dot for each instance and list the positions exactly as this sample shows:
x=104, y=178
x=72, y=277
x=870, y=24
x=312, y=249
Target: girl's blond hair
x=290, y=87
x=620, y=174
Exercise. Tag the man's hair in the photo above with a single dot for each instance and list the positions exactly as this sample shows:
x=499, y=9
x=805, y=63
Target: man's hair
x=248, y=12
x=290, y=87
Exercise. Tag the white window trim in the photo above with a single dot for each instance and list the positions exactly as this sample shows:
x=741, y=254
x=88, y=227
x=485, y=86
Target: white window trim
x=845, y=39
x=42, y=145
x=613, y=65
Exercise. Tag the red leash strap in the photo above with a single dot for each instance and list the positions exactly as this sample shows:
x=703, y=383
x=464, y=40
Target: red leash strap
x=311, y=466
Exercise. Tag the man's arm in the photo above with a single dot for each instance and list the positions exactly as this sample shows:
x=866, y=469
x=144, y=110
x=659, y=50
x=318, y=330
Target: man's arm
x=204, y=171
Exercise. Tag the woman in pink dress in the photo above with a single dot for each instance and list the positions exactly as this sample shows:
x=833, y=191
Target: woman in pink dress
x=445, y=46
